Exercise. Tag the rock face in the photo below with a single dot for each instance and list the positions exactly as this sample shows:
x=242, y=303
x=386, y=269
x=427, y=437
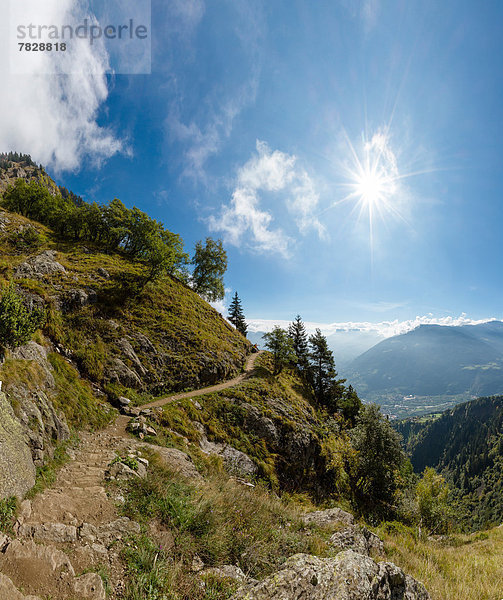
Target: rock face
x=17, y=470
x=41, y=423
x=119, y=372
x=236, y=462
x=39, y=266
x=348, y=576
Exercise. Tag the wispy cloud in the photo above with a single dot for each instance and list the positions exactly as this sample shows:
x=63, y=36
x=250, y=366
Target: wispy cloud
x=244, y=222
x=55, y=117
x=368, y=12
x=201, y=140
x=385, y=328
x=365, y=10
x=203, y=133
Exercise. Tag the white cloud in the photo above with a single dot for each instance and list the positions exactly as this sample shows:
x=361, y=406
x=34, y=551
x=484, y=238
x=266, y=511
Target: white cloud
x=242, y=221
x=221, y=306
x=53, y=117
x=385, y=328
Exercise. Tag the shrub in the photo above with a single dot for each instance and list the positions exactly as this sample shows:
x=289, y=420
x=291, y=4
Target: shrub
x=17, y=323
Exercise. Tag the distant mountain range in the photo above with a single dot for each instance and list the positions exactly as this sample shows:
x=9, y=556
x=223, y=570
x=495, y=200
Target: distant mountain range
x=433, y=360
x=346, y=344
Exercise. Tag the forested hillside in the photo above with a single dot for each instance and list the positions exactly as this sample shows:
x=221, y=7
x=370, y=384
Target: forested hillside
x=466, y=445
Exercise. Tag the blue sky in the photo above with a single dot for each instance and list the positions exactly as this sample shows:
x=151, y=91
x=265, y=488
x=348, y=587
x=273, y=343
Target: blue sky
x=255, y=126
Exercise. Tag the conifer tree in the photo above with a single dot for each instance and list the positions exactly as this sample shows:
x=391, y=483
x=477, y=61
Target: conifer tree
x=327, y=388
x=298, y=335
x=236, y=315
x=280, y=344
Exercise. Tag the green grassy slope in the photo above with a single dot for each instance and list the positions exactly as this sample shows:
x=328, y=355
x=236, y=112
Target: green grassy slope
x=165, y=337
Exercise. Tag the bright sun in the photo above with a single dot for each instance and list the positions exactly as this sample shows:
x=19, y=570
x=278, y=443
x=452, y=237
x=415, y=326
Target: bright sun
x=371, y=187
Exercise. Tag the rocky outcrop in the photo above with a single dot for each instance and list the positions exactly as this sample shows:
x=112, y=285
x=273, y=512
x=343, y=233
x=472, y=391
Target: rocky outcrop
x=119, y=372
x=41, y=423
x=17, y=470
x=176, y=460
x=348, y=576
x=322, y=518
x=236, y=462
x=39, y=266
x=78, y=298
x=357, y=538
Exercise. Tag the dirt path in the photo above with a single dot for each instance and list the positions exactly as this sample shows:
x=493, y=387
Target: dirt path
x=73, y=527
x=249, y=368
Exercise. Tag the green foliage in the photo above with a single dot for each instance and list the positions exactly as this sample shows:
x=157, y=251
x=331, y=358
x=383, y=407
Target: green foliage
x=26, y=240
x=236, y=315
x=113, y=226
x=17, y=323
x=280, y=344
x=432, y=496
x=132, y=463
x=223, y=522
x=74, y=396
x=379, y=459
x=7, y=158
x=210, y=264
x=465, y=444
x=329, y=391
x=298, y=335
x=8, y=510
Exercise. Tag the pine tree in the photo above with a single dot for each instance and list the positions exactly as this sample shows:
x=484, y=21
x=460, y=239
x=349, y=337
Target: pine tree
x=298, y=335
x=327, y=388
x=236, y=315
x=280, y=344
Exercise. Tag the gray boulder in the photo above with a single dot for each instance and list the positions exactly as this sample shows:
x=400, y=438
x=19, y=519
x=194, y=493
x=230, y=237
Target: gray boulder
x=78, y=298
x=175, y=460
x=348, y=576
x=236, y=462
x=357, y=538
x=39, y=266
x=57, y=533
x=225, y=572
x=322, y=518
x=89, y=586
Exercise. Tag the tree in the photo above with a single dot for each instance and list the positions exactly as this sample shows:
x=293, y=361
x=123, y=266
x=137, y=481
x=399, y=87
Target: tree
x=280, y=344
x=327, y=388
x=210, y=265
x=298, y=335
x=17, y=323
x=236, y=315
x=380, y=457
x=350, y=404
x=432, y=494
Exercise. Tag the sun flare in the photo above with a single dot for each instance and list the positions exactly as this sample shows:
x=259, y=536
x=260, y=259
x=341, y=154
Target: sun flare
x=371, y=187
x=373, y=178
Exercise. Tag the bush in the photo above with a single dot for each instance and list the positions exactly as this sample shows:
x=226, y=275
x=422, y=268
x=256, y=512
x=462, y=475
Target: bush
x=8, y=509
x=17, y=323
